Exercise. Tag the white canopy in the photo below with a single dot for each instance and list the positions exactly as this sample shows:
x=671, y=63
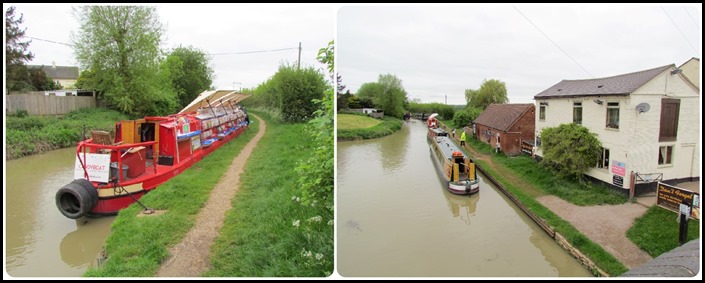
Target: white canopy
x=432, y=116
x=214, y=97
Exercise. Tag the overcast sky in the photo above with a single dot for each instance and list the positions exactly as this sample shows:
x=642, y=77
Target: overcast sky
x=443, y=50
x=213, y=28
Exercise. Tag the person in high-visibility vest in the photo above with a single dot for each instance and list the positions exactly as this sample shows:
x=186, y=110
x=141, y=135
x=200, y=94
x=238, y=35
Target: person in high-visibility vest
x=462, y=138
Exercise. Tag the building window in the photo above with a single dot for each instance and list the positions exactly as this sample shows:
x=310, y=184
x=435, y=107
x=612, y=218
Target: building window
x=613, y=115
x=604, y=161
x=578, y=113
x=670, y=109
x=542, y=110
x=664, y=155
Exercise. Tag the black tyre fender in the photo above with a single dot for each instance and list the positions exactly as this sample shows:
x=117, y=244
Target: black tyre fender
x=92, y=191
x=74, y=200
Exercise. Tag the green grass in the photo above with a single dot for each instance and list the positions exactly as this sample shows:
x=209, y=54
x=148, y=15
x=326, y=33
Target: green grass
x=657, y=231
x=137, y=245
x=578, y=193
x=258, y=238
x=35, y=134
x=349, y=121
x=388, y=126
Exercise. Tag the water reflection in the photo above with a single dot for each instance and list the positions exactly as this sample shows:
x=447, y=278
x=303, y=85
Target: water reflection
x=75, y=250
x=393, y=148
x=40, y=241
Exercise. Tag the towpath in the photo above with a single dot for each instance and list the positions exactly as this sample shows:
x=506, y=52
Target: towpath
x=190, y=257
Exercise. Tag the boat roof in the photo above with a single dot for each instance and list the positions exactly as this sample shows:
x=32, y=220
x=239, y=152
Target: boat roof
x=213, y=97
x=438, y=131
x=447, y=146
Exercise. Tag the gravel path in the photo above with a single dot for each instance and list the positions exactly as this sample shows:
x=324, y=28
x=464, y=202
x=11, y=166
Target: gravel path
x=190, y=257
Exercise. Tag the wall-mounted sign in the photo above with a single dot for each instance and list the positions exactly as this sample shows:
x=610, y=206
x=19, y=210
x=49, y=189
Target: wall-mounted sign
x=619, y=168
x=671, y=198
x=618, y=180
x=97, y=166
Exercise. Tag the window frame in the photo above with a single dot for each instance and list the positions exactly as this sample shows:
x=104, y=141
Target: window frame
x=609, y=109
x=602, y=162
x=669, y=155
x=578, y=106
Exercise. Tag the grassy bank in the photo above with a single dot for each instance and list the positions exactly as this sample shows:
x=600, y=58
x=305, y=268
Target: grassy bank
x=656, y=232
x=355, y=127
x=267, y=232
x=35, y=134
x=137, y=245
x=527, y=168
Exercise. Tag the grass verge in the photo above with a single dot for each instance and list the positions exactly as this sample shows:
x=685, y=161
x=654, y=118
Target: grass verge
x=268, y=233
x=656, y=232
x=388, y=126
x=35, y=134
x=137, y=245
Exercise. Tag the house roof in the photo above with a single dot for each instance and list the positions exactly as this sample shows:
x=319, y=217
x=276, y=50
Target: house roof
x=502, y=116
x=58, y=72
x=616, y=85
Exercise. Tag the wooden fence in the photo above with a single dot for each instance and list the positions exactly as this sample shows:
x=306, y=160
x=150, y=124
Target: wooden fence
x=40, y=104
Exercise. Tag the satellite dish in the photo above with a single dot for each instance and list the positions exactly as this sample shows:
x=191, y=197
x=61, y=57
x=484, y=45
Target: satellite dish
x=643, y=107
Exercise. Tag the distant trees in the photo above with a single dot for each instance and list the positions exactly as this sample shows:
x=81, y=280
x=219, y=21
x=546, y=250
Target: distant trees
x=16, y=54
x=289, y=94
x=569, y=149
x=387, y=94
x=189, y=72
x=444, y=110
x=491, y=91
x=120, y=45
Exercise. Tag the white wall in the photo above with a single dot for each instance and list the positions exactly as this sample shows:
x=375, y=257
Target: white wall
x=636, y=141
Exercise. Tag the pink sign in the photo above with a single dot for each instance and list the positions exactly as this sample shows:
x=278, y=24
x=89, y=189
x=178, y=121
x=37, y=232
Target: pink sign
x=619, y=168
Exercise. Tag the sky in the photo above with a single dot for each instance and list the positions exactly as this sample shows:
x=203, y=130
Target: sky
x=212, y=28
x=440, y=51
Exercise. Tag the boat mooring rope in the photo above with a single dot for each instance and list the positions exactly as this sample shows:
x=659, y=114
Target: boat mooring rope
x=116, y=192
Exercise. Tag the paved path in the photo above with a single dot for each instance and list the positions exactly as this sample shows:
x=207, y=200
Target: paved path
x=190, y=257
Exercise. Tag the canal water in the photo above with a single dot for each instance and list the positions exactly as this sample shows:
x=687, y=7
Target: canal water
x=394, y=218
x=39, y=240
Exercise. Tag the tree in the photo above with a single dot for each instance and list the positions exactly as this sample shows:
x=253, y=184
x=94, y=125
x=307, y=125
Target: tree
x=491, y=91
x=394, y=97
x=40, y=81
x=189, y=72
x=387, y=93
x=295, y=89
x=569, y=149
x=120, y=44
x=16, y=54
x=465, y=116
x=342, y=101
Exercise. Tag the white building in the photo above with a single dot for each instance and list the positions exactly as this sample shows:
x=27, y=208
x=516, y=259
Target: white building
x=648, y=122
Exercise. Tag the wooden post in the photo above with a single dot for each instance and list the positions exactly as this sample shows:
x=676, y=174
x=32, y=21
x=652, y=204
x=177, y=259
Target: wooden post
x=632, y=186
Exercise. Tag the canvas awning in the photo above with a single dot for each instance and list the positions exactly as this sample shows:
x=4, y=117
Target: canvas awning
x=214, y=97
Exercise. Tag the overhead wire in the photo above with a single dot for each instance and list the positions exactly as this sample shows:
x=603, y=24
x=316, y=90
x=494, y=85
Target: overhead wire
x=554, y=43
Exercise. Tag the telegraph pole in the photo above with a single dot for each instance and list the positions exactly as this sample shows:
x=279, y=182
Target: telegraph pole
x=299, y=64
x=446, y=99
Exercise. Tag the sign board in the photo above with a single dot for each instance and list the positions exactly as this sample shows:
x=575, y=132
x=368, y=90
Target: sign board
x=619, y=168
x=671, y=198
x=97, y=166
x=195, y=142
x=618, y=181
